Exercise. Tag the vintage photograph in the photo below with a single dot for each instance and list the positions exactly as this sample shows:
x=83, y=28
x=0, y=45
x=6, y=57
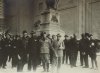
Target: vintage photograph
x=49, y=36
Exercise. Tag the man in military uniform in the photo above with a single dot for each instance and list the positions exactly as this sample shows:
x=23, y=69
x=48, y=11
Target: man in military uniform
x=54, y=53
x=45, y=51
x=33, y=51
x=60, y=48
x=51, y=52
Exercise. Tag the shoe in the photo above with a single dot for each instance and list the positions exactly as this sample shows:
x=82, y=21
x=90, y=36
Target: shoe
x=47, y=70
x=85, y=67
x=75, y=66
x=92, y=67
x=96, y=68
x=44, y=71
x=81, y=65
x=4, y=67
x=71, y=66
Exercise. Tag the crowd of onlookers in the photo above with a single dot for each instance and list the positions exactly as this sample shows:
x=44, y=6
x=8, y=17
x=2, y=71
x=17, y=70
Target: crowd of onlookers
x=47, y=49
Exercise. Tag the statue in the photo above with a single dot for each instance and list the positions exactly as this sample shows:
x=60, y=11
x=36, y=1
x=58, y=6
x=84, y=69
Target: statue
x=54, y=18
x=52, y=4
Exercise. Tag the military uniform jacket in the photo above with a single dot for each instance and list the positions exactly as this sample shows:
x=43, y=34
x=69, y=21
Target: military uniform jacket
x=60, y=48
x=45, y=46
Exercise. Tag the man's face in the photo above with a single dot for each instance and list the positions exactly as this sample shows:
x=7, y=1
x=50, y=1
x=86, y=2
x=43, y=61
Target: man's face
x=55, y=37
x=25, y=34
x=33, y=35
x=66, y=38
x=17, y=38
x=45, y=35
x=8, y=36
x=58, y=37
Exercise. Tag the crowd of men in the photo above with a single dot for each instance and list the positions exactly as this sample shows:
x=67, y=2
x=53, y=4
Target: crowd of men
x=36, y=50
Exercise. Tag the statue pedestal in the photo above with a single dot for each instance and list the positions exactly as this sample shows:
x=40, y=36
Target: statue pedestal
x=50, y=22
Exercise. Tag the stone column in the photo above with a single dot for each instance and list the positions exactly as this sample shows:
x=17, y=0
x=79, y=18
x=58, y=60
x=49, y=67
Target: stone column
x=82, y=16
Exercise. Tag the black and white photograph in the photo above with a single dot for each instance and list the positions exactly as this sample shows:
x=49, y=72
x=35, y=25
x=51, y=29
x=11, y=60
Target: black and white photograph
x=49, y=36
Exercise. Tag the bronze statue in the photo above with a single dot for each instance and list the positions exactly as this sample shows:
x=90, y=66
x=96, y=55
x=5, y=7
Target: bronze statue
x=52, y=4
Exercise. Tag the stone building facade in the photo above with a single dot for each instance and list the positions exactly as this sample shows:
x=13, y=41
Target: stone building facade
x=1, y=16
x=18, y=15
x=76, y=16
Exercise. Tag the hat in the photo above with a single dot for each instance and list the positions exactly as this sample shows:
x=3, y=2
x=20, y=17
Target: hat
x=43, y=32
x=16, y=36
x=58, y=35
x=66, y=36
x=48, y=35
x=24, y=31
x=87, y=34
x=90, y=35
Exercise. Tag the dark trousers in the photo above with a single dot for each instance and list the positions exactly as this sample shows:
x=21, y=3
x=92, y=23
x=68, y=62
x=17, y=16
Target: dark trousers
x=73, y=59
x=66, y=56
x=1, y=58
x=51, y=56
x=86, y=60
x=14, y=61
x=76, y=54
x=4, y=60
x=32, y=62
x=81, y=58
x=20, y=66
x=93, y=57
x=21, y=63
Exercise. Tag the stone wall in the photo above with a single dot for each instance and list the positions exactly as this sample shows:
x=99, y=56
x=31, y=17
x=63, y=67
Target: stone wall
x=18, y=14
x=76, y=16
x=1, y=16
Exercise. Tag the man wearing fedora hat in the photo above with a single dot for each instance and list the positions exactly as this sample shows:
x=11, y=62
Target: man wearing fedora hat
x=66, y=50
x=93, y=51
x=86, y=49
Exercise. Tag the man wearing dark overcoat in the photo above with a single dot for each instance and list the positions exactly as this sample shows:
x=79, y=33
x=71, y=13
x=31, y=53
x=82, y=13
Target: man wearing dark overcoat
x=33, y=51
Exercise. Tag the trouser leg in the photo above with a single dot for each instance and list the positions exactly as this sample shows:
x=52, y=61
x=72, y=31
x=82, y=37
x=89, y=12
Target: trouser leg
x=59, y=62
x=64, y=55
x=75, y=58
x=5, y=60
x=29, y=63
x=81, y=59
x=86, y=60
x=67, y=55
